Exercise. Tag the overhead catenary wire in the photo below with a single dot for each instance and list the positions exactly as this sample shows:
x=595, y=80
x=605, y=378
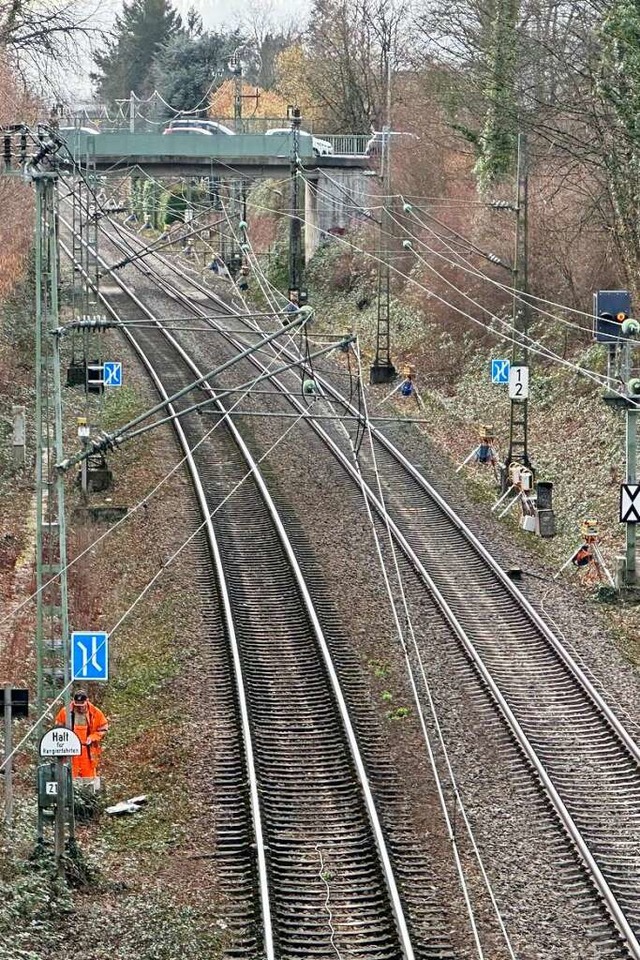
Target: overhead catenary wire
x=402, y=641
x=520, y=339
x=458, y=799
x=141, y=503
x=531, y=300
x=150, y=583
x=528, y=299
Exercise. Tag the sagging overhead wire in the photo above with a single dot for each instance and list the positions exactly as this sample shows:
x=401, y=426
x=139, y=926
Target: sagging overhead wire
x=530, y=297
x=525, y=299
x=530, y=300
x=510, y=334
x=400, y=633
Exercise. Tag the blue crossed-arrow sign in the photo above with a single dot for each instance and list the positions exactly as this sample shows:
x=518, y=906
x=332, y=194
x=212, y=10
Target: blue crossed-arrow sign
x=89, y=655
x=112, y=373
x=500, y=371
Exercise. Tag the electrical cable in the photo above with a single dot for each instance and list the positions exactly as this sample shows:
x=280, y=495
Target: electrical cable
x=530, y=296
x=533, y=346
x=7, y=616
x=427, y=687
x=467, y=266
x=525, y=341
x=323, y=876
x=140, y=596
x=520, y=341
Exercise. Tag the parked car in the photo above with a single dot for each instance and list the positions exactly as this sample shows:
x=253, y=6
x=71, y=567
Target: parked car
x=66, y=131
x=205, y=133
x=321, y=148
x=195, y=125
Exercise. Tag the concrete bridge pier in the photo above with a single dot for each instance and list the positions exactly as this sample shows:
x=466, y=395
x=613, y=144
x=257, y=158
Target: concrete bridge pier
x=332, y=203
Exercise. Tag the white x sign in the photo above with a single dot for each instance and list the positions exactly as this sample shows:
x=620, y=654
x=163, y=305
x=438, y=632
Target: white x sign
x=630, y=503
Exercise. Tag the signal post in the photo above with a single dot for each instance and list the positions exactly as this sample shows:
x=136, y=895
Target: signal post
x=614, y=326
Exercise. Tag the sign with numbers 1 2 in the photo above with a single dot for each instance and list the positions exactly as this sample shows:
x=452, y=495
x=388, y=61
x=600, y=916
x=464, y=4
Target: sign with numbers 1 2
x=519, y=383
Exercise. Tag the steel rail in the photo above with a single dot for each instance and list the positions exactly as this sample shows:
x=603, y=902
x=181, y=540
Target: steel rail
x=564, y=815
x=630, y=743
x=226, y=606
x=374, y=819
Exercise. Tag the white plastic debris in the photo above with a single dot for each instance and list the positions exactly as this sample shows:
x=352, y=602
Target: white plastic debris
x=127, y=806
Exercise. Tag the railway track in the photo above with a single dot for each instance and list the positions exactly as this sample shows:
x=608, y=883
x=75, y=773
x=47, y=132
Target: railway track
x=584, y=759
x=323, y=876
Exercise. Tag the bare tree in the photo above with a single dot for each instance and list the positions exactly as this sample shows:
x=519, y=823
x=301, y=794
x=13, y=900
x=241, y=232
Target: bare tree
x=37, y=34
x=352, y=48
x=268, y=34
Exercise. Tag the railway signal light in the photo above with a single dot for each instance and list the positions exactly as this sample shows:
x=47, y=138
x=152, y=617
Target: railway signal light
x=612, y=312
x=633, y=387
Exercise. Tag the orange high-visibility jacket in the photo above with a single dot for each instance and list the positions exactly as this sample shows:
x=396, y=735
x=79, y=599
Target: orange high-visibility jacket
x=90, y=735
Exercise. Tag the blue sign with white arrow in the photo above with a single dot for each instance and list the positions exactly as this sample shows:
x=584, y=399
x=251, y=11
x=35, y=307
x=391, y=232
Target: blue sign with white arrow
x=112, y=373
x=89, y=655
x=500, y=371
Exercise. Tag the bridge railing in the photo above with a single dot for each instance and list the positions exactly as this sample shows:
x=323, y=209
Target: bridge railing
x=346, y=143
x=349, y=144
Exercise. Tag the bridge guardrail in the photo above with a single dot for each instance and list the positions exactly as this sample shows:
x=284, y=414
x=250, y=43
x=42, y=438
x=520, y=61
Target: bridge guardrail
x=343, y=144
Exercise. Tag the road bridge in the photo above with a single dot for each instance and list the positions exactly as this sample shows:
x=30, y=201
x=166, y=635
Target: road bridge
x=247, y=155
x=335, y=189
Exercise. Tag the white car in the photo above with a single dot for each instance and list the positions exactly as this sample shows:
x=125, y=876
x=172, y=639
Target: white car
x=194, y=125
x=321, y=148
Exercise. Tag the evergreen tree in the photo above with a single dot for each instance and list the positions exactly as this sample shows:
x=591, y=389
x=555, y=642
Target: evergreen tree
x=191, y=65
x=139, y=33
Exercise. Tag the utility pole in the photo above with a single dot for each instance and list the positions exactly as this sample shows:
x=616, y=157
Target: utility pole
x=235, y=65
x=8, y=759
x=382, y=369
x=296, y=263
x=630, y=572
x=614, y=326
x=52, y=617
x=518, y=425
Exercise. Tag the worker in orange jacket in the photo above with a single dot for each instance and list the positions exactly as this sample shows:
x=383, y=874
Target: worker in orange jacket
x=90, y=725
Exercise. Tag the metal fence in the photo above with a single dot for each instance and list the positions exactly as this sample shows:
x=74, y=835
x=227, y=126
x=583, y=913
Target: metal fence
x=147, y=118
x=346, y=143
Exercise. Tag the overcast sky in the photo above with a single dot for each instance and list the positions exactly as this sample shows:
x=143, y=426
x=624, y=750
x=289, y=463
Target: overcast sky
x=216, y=14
